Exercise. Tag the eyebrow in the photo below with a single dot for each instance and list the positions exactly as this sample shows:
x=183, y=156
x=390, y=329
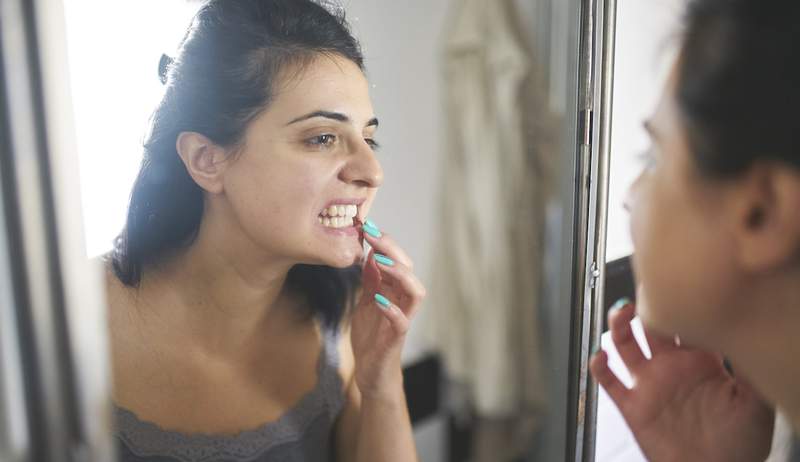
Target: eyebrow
x=338, y=116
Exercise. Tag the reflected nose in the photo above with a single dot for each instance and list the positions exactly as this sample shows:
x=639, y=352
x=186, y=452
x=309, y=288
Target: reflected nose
x=363, y=168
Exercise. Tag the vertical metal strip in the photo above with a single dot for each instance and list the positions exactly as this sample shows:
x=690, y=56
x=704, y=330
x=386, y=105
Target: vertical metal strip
x=576, y=394
x=597, y=47
x=606, y=12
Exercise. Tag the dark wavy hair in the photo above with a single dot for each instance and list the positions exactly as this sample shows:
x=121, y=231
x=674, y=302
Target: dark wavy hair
x=739, y=83
x=222, y=78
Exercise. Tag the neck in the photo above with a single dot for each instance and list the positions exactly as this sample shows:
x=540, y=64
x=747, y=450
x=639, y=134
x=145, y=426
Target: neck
x=765, y=345
x=221, y=298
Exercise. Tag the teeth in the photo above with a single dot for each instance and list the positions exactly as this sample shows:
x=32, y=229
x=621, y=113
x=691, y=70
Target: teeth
x=348, y=211
x=339, y=216
x=337, y=222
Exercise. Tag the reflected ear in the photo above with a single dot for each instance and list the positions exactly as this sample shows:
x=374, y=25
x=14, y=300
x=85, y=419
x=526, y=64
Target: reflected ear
x=768, y=217
x=204, y=160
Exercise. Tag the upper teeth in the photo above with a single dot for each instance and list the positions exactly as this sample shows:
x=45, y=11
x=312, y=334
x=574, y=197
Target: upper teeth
x=348, y=211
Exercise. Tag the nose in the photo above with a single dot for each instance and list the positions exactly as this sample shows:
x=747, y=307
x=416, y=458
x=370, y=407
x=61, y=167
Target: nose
x=626, y=203
x=362, y=168
x=630, y=194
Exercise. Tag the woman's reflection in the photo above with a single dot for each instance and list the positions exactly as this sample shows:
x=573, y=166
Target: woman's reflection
x=243, y=326
x=715, y=223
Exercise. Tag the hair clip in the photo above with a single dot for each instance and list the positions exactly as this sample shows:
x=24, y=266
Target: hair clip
x=163, y=67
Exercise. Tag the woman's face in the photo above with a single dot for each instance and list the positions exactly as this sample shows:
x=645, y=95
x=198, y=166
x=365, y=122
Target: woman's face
x=684, y=243
x=308, y=170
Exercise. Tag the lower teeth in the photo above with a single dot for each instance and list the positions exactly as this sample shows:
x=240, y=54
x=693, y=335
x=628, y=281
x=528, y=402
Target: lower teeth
x=337, y=222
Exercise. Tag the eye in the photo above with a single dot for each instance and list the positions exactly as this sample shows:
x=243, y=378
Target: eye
x=372, y=143
x=325, y=140
x=648, y=158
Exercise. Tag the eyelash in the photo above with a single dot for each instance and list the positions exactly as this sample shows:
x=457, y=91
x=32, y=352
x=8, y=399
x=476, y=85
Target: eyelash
x=319, y=140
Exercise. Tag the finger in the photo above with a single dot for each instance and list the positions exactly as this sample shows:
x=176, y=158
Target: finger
x=622, y=334
x=401, y=278
x=386, y=245
x=607, y=379
x=397, y=319
x=370, y=276
x=659, y=343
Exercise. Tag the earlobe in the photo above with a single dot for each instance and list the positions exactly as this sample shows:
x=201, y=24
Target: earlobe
x=204, y=160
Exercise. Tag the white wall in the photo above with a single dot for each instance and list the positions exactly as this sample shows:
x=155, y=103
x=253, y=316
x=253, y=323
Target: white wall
x=113, y=67
x=647, y=37
x=402, y=44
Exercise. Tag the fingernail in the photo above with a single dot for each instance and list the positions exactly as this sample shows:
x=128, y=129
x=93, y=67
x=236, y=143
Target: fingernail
x=383, y=302
x=371, y=224
x=595, y=350
x=371, y=230
x=621, y=303
x=383, y=259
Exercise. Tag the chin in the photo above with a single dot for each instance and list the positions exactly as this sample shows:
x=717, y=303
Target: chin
x=344, y=259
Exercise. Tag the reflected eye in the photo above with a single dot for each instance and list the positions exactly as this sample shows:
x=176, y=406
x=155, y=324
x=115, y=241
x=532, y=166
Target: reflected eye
x=372, y=143
x=325, y=140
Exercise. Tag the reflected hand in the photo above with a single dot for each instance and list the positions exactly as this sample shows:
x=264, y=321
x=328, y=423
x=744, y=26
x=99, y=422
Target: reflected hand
x=684, y=405
x=378, y=331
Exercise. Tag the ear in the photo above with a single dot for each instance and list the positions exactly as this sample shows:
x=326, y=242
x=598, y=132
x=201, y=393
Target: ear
x=768, y=217
x=204, y=160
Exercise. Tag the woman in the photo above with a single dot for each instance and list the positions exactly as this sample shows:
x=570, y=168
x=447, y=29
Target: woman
x=715, y=219
x=242, y=327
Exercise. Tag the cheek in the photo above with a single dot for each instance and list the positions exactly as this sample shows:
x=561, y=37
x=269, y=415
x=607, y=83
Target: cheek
x=680, y=259
x=274, y=202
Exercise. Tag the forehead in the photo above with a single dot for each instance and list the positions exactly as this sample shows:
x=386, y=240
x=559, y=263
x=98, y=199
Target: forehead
x=666, y=120
x=327, y=82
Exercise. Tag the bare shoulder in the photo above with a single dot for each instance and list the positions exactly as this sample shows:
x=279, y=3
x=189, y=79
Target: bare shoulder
x=120, y=299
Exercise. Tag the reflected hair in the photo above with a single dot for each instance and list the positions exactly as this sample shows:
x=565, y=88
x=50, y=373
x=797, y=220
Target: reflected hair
x=223, y=76
x=739, y=83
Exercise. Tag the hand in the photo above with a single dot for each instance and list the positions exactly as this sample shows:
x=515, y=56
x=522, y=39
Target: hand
x=684, y=406
x=378, y=333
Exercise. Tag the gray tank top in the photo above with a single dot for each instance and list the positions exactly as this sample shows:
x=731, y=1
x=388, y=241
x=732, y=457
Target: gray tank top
x=302, y=434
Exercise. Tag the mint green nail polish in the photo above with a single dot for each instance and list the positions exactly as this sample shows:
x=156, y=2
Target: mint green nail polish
x=383, y=302
x=621, y=303
x=383, y=260
x=371, y=224
x=371, y=230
